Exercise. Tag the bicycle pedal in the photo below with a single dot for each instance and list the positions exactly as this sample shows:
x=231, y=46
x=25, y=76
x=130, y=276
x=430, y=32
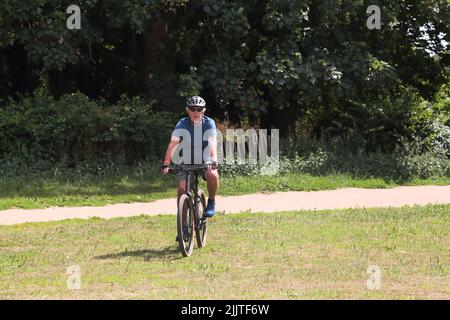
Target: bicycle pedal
x=202, y=221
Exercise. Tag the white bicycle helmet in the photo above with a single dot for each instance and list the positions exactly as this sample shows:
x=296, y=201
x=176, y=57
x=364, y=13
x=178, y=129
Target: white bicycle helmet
x=195, y=101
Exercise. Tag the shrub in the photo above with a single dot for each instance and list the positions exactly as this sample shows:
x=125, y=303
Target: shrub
x=75, y=128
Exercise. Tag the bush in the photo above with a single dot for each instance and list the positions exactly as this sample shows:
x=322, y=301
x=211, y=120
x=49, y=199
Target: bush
x=425, y=156
x=143, y=133
x=75, y=129
x=41, y=133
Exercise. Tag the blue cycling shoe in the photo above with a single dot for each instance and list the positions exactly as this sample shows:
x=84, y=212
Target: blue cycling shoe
x=210, y=208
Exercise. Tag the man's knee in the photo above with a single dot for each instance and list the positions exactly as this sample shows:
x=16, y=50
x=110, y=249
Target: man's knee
x=181, y=186
x=212, y=175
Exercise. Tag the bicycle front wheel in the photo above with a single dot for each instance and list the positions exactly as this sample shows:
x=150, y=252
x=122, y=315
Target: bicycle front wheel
x=200, y=222
x=185, y=225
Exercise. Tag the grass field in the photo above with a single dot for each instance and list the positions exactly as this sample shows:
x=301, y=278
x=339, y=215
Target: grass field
x=88, y=190
x=291, y=255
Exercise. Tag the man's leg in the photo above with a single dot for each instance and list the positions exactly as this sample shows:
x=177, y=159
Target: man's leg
x=212, y=180
x=181, y=188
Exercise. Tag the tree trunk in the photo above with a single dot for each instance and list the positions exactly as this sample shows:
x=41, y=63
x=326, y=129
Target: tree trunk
x=19, y=71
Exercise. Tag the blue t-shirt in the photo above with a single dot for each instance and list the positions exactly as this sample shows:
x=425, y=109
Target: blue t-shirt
x=194, y=139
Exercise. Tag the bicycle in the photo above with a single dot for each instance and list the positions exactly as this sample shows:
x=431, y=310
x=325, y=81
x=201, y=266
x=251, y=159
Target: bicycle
x=191, y=208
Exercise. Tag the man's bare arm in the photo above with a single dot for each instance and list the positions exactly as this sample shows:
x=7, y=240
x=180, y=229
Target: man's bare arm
x=213, y=148
x=170, y=150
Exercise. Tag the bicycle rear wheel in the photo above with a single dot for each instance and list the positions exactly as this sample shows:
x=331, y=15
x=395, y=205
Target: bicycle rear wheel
x=185, y=225
x=200, y=222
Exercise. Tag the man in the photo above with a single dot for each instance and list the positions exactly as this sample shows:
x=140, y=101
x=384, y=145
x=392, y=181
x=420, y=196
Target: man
x=197, y=133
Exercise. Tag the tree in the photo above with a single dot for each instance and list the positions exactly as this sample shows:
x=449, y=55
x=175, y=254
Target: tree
x=276, y=63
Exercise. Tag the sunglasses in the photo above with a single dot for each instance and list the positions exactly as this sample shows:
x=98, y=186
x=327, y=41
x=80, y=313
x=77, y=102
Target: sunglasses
x=196, y=109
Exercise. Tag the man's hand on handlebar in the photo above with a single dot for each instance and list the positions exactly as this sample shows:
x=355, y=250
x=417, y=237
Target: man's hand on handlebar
x=212, y=165
x=164, y=169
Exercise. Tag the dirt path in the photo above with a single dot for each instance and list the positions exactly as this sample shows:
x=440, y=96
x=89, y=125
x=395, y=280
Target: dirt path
x=267, y=202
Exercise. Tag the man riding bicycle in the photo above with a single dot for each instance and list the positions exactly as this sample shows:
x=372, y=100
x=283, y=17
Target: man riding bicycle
x=197, y=136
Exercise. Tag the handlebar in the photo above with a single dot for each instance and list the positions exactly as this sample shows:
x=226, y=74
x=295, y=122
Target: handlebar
x=188, y=168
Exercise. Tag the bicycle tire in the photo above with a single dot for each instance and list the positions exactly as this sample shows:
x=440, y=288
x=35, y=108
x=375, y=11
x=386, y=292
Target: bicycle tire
x=185, y=241
x=200, y=208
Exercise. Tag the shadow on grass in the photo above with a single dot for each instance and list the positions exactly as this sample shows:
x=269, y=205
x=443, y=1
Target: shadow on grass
x=90, y=188
x=168, y=253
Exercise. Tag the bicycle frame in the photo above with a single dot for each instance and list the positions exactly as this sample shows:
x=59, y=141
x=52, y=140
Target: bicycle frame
x=191, y=189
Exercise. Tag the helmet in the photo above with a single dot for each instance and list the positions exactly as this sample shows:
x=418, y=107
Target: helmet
x=195, y=101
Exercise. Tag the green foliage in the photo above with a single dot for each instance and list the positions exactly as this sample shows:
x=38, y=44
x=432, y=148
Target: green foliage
x=442, y=106
x=40, y=26
x=305, y=67
x=75, y=128
x=140, y=129
x=414, y=158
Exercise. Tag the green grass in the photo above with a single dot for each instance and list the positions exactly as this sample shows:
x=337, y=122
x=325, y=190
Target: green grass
x=289, y=255
x=89, y=190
